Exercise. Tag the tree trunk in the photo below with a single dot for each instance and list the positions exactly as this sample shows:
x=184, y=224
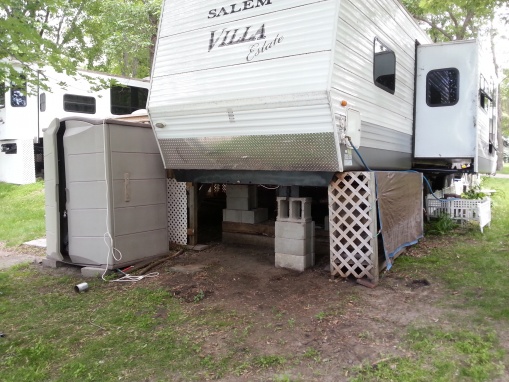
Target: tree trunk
x=154, y=20
x=500, y=139
x=498, y=103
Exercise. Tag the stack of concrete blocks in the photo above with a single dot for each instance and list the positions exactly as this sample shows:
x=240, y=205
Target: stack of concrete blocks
x=242, y=205
x=295, y=234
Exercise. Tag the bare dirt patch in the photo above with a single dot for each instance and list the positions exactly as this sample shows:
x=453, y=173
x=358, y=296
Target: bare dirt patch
x=321, y=327
x=19, y=255
x=316, y=328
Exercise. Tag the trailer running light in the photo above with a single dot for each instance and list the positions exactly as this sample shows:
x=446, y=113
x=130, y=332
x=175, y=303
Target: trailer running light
x=344, y=103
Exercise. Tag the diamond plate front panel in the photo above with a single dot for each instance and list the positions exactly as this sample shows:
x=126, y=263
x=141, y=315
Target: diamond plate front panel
x=297, y=152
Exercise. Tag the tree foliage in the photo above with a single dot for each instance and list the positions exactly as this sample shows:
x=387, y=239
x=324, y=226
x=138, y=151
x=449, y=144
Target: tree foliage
x=448, y=20
x=504, y=103
x=38, y=33
x=123, y=37
x=114, y=36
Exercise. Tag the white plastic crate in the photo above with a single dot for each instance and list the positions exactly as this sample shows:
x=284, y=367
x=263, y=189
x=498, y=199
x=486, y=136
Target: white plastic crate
x=462, y=210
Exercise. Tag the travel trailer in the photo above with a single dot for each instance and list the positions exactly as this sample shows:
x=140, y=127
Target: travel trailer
x=306, y=121
x=281, y=92
x=24, y=115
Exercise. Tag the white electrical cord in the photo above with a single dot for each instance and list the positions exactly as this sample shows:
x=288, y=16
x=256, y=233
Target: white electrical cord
x=108, y=240
x=269, y=188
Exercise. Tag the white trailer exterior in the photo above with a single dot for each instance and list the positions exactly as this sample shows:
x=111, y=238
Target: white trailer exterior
x=266, y=91
x=456, y=119
x=23, y=116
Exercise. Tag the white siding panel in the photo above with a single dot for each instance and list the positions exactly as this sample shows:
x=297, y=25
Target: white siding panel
x=375, y=114
x=205, y=89
x=302, y=120
x=189, y=78
x=188, y=15
x=193, y=51
x=352, y=78
x=356, y=87
x=357, y=28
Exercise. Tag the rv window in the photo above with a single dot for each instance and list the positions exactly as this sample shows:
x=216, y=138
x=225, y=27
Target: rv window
x=18, y=96
x=442, y=87
x=485, y=93
x=126, y=99
x=483, y=101
x=2, y=96
x=79, y=104
x=42, y=102
x=384, y=67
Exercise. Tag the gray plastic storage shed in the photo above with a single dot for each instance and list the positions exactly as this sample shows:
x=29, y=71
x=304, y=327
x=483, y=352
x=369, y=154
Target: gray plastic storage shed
x=104, y=178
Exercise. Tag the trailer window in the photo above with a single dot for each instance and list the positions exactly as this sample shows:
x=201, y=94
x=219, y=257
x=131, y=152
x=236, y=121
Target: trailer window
x=2, y=95
x=18, y=95
x=442, y=87
x=79, y=104
x=127, y=99
x=486, y=92
x=384, y=67
x=42, y=102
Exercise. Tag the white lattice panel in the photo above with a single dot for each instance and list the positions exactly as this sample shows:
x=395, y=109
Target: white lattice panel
x=27, y=152
x=352, y=225
x=177, y=212
x=462, y=210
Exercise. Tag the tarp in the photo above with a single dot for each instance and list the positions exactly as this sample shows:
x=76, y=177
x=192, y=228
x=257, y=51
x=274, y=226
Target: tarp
x=400, y=210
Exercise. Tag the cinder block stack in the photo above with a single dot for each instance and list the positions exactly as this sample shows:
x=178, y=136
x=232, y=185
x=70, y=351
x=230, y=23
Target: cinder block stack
x=295, y=234
x=242, y=205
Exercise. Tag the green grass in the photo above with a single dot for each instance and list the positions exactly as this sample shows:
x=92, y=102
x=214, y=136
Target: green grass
x=440, y=356
x=21, y=212
x=109, y=333
x=505, y=169
x=474, y=265
x=114, y=332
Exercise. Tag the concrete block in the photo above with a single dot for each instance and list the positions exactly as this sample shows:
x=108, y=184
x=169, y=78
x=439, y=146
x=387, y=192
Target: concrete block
x=297, y=263
x=41, y=243
x=293, y=230
x=294, y=209
x=300, y=209
x=92, y=272
x=51, y=263
x=244, y=204
x=239, y=190
x=283, y=209
x=232, y=216
x=255, y=216
x=292, y=246
x=249, y=192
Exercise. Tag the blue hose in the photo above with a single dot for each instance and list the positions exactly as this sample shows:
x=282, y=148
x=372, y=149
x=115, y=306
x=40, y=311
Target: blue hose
x=425, y=179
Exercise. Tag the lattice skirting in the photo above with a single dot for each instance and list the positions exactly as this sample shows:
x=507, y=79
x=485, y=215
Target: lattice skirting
x=177, y=212
x=352, y=225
